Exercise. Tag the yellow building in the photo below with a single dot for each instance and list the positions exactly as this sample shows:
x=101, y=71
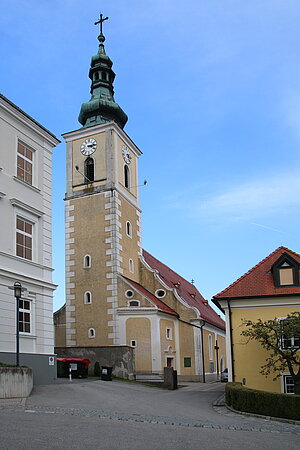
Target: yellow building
x=116, y=293
x=269, y=290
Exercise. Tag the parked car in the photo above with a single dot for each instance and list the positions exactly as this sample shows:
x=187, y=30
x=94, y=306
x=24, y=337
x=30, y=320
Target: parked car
x=224, y=375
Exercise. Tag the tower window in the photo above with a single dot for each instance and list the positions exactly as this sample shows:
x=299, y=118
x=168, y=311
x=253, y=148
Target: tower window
x=131, y=266
x=96, y=76
x=104, y=76
x=169, y=333
x=87, y=261
x=89, y=169
x=91, y=333
x=129, y=229
x=126, y=176
x=87, y=297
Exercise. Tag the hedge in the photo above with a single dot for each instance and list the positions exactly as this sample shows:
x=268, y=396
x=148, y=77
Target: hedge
x=262, y=402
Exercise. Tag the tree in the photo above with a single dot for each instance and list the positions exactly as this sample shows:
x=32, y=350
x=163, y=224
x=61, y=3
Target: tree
x=281, y=338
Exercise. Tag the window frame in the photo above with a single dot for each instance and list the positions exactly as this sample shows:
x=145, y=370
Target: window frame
x=292, y=338
x=127, y=176
x=128, y=227
x=170, y=337
x=87, y=179
x=131, y=265
x=131, y=343
x=87, y=266
x=91, y=333
x=24, y=234
x=210, y=348
x=85, y=298
x=23, y=311
x=133, y=306
x=27, y=160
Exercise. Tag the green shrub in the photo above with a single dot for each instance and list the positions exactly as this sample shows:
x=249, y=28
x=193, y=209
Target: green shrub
x=261, y=402
x=97, y=371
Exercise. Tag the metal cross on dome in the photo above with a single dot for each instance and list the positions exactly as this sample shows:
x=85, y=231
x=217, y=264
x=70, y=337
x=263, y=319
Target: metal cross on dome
x=100, y=21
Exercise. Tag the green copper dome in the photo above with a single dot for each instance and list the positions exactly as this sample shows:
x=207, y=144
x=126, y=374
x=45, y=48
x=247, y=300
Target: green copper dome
x=101, y=107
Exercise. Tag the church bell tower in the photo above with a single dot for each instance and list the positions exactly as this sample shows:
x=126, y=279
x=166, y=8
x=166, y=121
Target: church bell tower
x=102, y=213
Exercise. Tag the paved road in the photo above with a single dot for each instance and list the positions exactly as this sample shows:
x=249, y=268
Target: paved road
x=117, y=415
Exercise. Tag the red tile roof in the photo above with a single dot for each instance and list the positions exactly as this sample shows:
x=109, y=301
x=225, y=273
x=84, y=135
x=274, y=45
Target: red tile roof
x=160, y=305
x=259, y=281
x=187, y=291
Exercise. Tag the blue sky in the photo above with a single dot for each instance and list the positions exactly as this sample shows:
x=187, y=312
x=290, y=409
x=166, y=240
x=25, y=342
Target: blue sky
x=212, y=91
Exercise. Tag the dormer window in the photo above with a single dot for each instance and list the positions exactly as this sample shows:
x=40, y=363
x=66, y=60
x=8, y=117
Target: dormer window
x=285, y=272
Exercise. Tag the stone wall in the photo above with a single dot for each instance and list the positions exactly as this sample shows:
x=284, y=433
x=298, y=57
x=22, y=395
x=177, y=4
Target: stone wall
x=15, y=382
x=120, y=357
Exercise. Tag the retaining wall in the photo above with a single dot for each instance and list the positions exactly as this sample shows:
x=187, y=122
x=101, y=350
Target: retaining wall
x=15, y=382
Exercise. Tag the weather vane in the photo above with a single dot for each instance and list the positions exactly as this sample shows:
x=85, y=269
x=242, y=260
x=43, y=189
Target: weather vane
x=100, y=21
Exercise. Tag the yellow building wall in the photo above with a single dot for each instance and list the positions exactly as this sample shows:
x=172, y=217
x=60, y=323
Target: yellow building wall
x=167, y=345
x=139, y=329
x=249, y=356
x=59, y=320
x=186, y=342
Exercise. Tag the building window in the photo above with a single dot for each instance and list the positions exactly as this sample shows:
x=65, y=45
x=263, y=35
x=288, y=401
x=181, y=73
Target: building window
x=210, y=347
x=133, y=343
x=129, y=293
x=24, y=163
x=87, y=261
x=134, y=303
x=91, y=333
x=187, y=362
x=89, y=170
x=24, y=316
x=96, y=76
x=126, y=176
x=87, y=297
x=169, y=333
x=129, y=229
x=131, y=266
x=24, y=238
x=160, y=293
x=289, y=386
x=288, y=341
x=285, y=272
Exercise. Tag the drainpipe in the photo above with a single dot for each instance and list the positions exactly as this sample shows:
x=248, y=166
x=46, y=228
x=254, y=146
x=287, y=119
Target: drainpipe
x=202, y=350
x=231, y=344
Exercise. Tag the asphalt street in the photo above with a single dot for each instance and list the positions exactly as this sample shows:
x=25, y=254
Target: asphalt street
x=119, y=415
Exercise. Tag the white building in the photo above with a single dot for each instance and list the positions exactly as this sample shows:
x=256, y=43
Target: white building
x=26, y=240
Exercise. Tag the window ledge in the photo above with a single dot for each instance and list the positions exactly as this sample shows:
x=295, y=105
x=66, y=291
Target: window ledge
x=27, y=184
x=27, y=335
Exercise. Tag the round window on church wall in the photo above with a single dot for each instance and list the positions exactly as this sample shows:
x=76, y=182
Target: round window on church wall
x=160, y=293
x=129, y=293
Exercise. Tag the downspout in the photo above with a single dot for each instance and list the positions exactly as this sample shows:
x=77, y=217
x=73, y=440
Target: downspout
x=202, y=351
x=231, y=344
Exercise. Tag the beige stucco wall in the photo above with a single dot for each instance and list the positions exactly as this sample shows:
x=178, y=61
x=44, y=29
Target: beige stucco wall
x=139, y=329
x=250, y=356
x=168, y=348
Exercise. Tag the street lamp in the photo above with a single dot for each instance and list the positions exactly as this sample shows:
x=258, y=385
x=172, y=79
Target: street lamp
x=18, y=289
x=18, y=293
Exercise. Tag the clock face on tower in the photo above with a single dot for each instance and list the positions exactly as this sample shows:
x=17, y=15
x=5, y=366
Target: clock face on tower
x=88, y=146
x=126, y=154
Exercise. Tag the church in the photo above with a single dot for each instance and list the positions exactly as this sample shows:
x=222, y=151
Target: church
x=116, y=292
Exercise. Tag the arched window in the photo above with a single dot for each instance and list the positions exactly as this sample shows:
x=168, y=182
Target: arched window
x=89, y=170
x=129, y=229
x=131, y=266
x=87, y=261
x=87, y=297
x=96, y=76
x=210, y=348
x=134, y=303
x=126, y=176
x=91, y=333
x=104, y=76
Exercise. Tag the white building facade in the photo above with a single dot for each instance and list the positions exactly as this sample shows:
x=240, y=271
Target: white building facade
x=26, y=240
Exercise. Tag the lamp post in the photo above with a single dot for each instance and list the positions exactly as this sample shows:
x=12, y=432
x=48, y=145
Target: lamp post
x=217, y=358
x=18, y=289
x=18, y=294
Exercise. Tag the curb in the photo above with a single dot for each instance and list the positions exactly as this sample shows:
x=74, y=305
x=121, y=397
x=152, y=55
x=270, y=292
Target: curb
x=259, y=416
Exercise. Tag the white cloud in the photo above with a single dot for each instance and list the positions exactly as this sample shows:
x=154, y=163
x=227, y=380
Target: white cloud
x=247, y=201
